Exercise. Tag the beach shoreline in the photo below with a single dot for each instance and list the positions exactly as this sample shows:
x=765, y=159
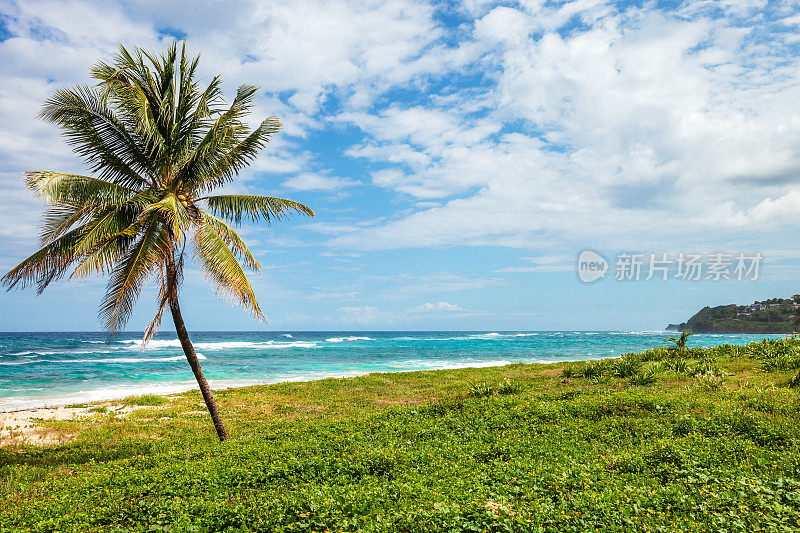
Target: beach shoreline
x=57, y=369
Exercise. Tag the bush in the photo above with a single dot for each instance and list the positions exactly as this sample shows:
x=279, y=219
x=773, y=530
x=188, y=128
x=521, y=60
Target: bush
x=704, y=367
x=483, y=389
x=644, y=378
x=709, y=381
x=480, y=389
x=507, y=387
x=781, y=363
x=593, y=369
x=627, y=367
x=145, y=399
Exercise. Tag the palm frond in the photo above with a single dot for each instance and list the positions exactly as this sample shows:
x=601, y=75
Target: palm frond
x=175, y=213
x=105, y=240
x=235, y=207
x=140, y=262
x=223, y=269
x=96, y=135
x=221, y=166
x=232, y=239
x=222, y=138
x=75, y=190
x=58, y=219
x=45, y=265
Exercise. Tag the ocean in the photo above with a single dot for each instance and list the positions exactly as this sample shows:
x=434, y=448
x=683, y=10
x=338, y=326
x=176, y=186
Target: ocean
x=48, y=369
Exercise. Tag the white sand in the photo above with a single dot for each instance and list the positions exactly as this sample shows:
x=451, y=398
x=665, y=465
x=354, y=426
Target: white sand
x=24, y=427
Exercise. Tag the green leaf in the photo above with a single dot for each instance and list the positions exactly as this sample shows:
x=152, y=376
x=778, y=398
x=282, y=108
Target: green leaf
x=254, y=208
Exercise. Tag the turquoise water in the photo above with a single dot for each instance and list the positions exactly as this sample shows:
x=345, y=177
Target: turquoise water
x=38, y=369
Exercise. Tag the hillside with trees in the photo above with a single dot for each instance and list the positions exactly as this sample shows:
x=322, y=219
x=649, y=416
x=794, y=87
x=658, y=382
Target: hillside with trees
x=778, y=315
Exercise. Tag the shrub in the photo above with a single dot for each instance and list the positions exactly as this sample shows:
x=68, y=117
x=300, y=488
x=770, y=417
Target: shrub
x=781, y=363
x=480, y=389
x=644, y=378
x=145, y=399
x=507, y=387
x=704, y=367
x=680, y=366
x=568, y=372
x=593, y=369
x=627, y=367
x=709, y=381
x=794, y=382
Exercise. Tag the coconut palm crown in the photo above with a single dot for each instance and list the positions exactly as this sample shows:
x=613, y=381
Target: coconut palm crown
x=157, y=145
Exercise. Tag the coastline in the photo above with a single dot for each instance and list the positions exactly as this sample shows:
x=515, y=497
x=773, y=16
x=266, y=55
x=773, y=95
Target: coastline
x=48, y=370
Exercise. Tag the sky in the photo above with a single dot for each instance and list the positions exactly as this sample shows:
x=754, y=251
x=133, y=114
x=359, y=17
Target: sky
x=459, y=156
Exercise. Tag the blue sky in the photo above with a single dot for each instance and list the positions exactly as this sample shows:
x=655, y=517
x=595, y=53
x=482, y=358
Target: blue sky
x=459, y=156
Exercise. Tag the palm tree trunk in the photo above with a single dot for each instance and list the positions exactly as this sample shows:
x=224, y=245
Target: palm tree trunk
x=188, y=349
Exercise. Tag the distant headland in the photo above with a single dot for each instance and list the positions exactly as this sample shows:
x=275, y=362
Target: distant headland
x=777, y=315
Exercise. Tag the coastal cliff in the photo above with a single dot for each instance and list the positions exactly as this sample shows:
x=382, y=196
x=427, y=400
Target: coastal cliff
x=777, y=315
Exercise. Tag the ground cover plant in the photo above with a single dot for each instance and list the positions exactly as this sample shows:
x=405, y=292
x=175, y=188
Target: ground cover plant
x=664, y=440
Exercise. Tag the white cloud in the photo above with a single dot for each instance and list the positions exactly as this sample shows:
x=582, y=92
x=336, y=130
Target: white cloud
x=642, y=129
x=308, y=181
x=441, y=306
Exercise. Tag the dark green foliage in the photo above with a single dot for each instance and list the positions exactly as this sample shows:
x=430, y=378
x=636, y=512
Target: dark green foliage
x=627, y=367
x=568, y=372
x=644, y=378
x=776, y=315
x=593, y=369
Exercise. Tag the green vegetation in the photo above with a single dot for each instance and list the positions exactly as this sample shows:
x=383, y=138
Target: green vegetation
x=145, y=399
x=704, y=440
x=778, y=315
x=158, y=145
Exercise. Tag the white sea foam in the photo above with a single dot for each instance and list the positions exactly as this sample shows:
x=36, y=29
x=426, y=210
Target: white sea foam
x=34, y=353
x=427, y=364
x=96, y=395
x=222, y=345
x=287, y=336
x=344, y=339
x=106, y=360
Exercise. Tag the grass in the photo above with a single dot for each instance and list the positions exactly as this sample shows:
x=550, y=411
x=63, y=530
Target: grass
x=432, y=451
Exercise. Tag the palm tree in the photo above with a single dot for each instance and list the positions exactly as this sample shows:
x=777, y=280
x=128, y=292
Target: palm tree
x=157, y=145
x=680, y=342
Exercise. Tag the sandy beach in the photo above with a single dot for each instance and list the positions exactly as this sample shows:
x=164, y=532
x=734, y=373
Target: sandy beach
x=24, y=426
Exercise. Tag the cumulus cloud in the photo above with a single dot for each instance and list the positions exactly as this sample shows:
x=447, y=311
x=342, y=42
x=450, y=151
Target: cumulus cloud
x=636, y=126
